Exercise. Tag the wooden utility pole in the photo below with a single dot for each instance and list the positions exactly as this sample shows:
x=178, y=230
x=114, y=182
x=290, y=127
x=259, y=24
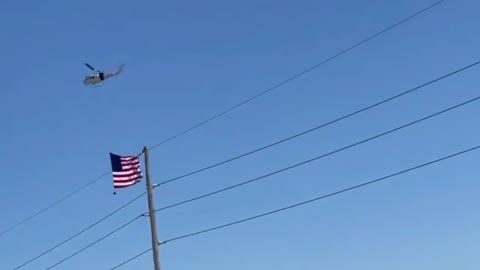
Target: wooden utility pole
x=151, y=209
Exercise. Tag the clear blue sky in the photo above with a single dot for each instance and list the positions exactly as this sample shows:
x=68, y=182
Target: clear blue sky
x=188, y=60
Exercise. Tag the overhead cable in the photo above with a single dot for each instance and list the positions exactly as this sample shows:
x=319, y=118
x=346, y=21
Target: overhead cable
x=301, y=203
x=351, y=114
x=239, y=105
x=52, y=205
x=280, y=171
x=299, y=74
x=80, y=232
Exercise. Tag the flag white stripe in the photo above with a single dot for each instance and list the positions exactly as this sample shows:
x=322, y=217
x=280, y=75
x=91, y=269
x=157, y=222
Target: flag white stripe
x=123, y=178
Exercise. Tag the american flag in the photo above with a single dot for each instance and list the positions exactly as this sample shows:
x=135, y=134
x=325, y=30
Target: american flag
x=126, y=170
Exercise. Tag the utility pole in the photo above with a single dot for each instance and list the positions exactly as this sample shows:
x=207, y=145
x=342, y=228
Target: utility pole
x=151, y=209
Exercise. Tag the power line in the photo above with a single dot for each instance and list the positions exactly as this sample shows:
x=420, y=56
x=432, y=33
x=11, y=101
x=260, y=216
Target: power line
x=52, y=205
x=304, y=202
x=131, y=259
x=321, y=156
x=321, y=125
x=255, y=151
x=321, y=197
x=97, y=241
x=297, y=75
x=271, y=145
x=80, y=232
x=238, y=105
x=276, y=143
x=277, y=172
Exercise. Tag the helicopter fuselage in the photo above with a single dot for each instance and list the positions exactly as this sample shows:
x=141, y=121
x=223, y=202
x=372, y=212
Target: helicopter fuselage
x=93, y=79
x=98, y=77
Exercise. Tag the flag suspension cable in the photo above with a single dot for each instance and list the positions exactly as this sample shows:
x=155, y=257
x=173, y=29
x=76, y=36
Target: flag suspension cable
x=391, y=27
x=283, y=209
x=296, y=165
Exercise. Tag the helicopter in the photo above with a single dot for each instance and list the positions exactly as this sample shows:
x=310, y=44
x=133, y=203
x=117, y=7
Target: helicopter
x=100, y=76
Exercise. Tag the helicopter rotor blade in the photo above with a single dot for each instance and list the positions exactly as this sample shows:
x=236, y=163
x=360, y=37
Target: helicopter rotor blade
x=90, y=67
